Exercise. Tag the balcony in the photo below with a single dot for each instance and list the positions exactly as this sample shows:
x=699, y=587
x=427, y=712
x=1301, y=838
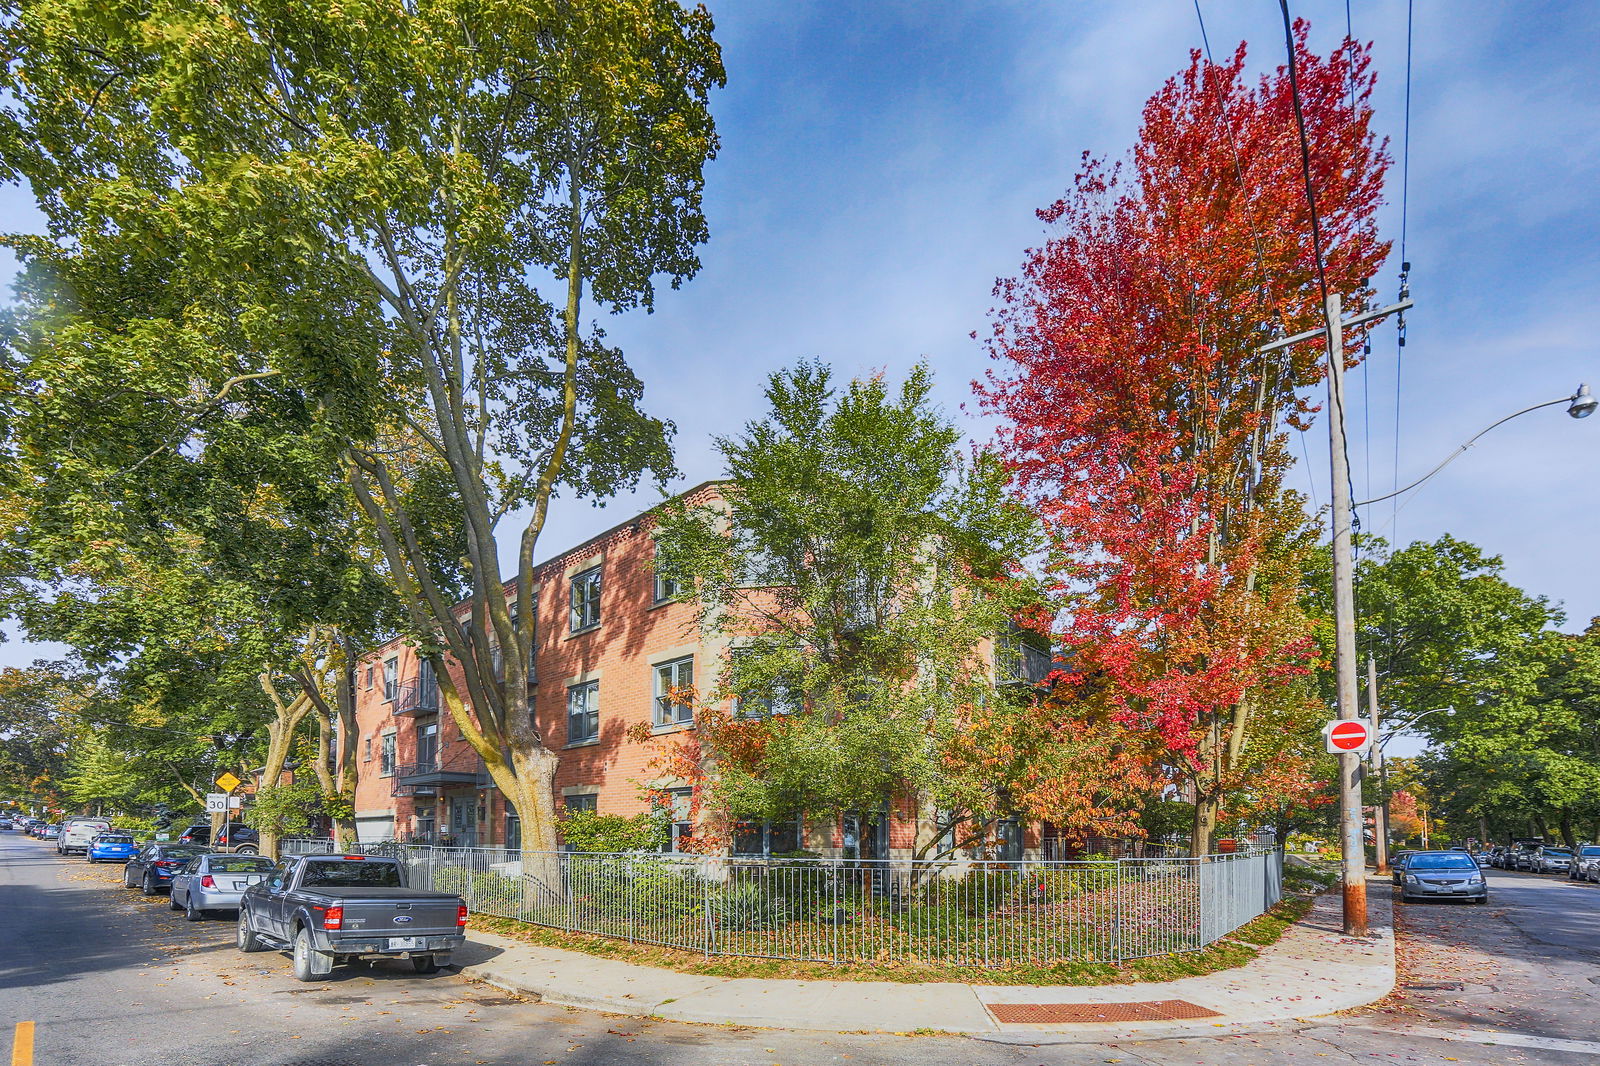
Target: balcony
x=420, y=695
x=426, y=779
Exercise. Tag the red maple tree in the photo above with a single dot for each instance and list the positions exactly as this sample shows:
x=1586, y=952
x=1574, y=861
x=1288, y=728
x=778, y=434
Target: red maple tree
x=1140, y=419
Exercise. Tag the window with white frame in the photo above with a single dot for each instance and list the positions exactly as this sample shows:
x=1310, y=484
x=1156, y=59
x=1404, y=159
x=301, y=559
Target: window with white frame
x=774, y=697
x=666, y=587
x=386, y=755
x=679, y=808
x=391, y=678
x=370, y=672
x=583, y=712
x=585, y=599
x=675, y=692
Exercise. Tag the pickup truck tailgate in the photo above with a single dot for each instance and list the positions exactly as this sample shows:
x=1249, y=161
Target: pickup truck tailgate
x=414, y=917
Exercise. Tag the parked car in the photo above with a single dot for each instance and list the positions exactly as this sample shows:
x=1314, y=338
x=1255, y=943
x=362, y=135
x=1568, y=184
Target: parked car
x=5, y=823
x=215, y=882
x=1550, y=859
x=1397, y=866
x=112, y=846
x=49, y=832
x=77, y=832
x=1522, y=854
x=1585, y=859
x=328, y=909
x=1442, y=875
x=235, y=836
x=151, y=869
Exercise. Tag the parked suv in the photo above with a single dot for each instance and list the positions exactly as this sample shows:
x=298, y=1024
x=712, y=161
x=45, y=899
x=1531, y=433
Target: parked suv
x=235, y=836
x=1584, y=862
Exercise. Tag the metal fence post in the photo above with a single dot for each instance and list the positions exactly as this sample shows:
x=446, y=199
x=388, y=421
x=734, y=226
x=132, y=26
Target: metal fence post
x=706, y=903
x=1116, y=920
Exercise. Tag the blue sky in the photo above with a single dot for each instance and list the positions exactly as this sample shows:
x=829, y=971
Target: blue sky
x=881, y=163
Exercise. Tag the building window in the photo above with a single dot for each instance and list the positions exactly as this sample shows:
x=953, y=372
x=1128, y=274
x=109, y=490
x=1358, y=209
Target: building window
x=766, y=838
x=675, y=692
x=679, y=804
x=427, y=745
x=583, y=712
x=368, y=749
x=589, y=803
x=586, y=599
x=666, y=587
x=777, y=698
x=1008, y=840
x=370, y=672
x=386, y=755
x=391, y=679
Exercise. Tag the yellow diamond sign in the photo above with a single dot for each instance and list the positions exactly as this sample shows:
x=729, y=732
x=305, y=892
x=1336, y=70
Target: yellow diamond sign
x=227, y=782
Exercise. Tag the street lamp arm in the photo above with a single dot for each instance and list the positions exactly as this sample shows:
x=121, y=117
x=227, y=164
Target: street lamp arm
x=1453, y=456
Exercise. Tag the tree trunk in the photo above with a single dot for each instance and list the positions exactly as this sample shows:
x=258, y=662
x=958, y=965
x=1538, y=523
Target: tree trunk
x=344, y=828
x=1567, y=836
x=1206, y=808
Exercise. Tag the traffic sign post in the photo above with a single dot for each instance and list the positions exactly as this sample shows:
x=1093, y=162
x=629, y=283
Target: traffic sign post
x=216, y=802
x=1346, y=736
x=227, y=782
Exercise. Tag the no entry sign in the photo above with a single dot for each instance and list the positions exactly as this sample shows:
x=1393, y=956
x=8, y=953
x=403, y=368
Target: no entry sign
x=1347, y=735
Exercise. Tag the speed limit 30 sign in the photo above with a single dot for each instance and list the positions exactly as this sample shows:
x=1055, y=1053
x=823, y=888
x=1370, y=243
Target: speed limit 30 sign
x=1347, y=735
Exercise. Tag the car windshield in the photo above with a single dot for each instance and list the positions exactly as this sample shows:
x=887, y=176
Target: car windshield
x=240, y=864
x=323, y=873
x=1441, y=862
x=1591, y=851
x=1557, y=851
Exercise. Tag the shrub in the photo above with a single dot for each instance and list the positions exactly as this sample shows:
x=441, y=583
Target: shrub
x=588, y=831
x=746, y=905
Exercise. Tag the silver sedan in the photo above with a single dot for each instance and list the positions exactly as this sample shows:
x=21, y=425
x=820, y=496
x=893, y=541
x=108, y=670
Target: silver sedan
x=214, y=882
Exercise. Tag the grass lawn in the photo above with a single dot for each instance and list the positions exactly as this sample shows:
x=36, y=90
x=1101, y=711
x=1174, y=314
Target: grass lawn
x=1238, y=948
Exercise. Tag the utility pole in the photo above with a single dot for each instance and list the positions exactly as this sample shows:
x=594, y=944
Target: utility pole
x=1352, y=844
x=1380, y=809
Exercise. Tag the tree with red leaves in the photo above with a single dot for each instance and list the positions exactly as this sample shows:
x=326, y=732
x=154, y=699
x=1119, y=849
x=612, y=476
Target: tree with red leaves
x=1141, y=420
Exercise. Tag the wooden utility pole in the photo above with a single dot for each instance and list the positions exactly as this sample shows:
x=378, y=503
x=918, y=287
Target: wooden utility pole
x=1351, y=843
x=1351, y=840
x=1380, y=809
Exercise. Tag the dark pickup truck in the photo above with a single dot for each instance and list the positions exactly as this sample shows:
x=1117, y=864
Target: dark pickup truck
x=328, y=909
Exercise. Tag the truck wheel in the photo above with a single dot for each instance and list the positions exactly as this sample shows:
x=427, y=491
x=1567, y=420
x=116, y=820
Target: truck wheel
x=309, y=965
x=248, y=941
x=247, y=849
x=424, y=964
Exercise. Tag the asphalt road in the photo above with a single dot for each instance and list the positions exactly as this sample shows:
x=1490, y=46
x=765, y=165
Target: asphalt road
x=108, y=977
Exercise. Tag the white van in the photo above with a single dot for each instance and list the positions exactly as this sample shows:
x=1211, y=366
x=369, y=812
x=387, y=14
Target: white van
x=77, y=832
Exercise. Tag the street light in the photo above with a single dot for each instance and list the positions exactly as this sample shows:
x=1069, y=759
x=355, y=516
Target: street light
x=1580, y=404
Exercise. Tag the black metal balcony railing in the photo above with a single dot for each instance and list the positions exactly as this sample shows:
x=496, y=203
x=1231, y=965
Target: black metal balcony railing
x=426, y=778
x=420, y=695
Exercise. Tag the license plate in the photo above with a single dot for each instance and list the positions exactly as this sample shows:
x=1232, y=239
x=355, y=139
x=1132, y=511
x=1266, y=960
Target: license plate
x=407, y=943
x=240, y=886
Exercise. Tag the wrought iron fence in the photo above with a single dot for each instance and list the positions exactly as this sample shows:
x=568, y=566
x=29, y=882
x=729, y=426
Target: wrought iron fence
x=960, y=913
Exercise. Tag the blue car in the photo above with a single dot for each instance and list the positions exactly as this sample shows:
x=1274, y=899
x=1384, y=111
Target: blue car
x=112, y=847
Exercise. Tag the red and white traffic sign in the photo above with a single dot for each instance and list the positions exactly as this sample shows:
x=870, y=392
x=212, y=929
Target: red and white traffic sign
x=1347, y=734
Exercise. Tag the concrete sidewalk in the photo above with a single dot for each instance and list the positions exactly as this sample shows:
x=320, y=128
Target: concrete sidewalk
x=1313, y=970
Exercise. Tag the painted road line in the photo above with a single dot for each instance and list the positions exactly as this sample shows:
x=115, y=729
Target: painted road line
x=1481, y=1036
x=22, y=1045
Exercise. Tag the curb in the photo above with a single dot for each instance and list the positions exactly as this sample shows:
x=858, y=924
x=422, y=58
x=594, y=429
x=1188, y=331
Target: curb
x=1314, y=976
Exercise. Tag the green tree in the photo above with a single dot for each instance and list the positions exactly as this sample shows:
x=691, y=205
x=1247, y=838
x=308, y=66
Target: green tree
x=363, y=240
x=38, y=719
x=99, y=776
x=857, y=567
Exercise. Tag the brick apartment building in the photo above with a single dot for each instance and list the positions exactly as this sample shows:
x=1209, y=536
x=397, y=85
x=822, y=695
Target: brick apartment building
x=609, y=644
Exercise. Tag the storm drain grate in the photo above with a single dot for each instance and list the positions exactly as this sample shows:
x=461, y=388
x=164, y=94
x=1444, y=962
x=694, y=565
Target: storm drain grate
x=1159, y=1010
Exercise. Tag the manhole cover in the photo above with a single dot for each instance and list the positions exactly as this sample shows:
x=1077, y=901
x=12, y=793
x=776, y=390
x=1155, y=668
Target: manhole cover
x=1159, y=1010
